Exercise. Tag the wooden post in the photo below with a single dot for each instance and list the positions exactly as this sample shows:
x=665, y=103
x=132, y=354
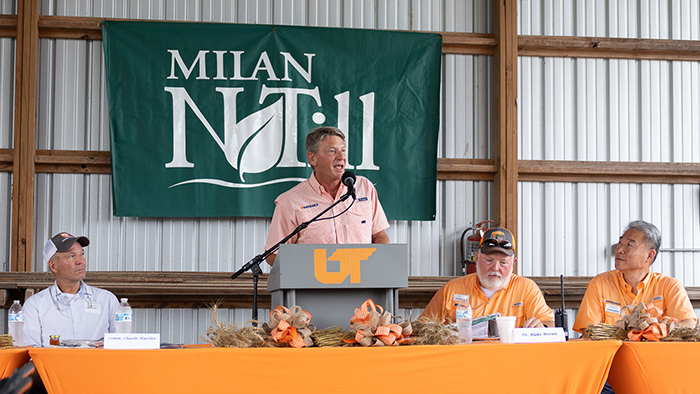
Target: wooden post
x=25, y=135
x=505, y=115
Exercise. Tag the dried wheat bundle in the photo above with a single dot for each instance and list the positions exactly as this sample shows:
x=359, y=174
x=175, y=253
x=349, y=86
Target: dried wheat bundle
x=227, y=335
x=428, y=331
x=602, y=332
x=5, y=341
x=683, y=334
x=331, y=336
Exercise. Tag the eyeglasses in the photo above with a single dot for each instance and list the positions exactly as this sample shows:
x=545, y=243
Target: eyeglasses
x=492, y=243
x=58, y=304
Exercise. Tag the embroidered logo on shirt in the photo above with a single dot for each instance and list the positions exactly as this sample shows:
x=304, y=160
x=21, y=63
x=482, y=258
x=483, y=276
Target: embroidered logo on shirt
x=309, y=206
x=517, y=304
x=657, y=298
x=362, y=199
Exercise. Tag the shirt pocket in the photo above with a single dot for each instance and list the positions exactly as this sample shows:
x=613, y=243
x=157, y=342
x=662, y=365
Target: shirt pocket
x=318, y=232
x=359, y=221
x=306, y=214
x=93, y=309
x=660, y=302
x=517, y=310
x=611, y=312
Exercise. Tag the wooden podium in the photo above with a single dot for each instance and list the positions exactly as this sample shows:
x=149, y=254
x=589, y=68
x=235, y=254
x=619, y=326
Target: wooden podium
x=330, y=281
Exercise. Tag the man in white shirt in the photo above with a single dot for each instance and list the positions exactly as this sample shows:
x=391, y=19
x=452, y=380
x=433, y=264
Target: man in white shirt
x=69, y=308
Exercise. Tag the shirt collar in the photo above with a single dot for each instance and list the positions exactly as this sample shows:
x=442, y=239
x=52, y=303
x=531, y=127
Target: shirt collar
x=644, y=283
x=510, y=280
x=318, y=188
x=646, y=280
x=82, y=291
x=315, y=185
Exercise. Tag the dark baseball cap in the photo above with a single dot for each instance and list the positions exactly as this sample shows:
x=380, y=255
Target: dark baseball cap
x=61, y=242
x=497, y=239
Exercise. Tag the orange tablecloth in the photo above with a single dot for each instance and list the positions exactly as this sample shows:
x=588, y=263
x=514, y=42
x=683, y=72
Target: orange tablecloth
x=656, y=367
x=573, y=367
x=10, y=359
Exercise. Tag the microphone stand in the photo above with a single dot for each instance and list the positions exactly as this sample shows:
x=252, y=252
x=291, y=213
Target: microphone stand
x=254, y=264
x=560, y=318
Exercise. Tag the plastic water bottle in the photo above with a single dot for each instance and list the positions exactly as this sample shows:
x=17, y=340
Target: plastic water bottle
x=124, y=317
x=464, y=318
x=15, y=323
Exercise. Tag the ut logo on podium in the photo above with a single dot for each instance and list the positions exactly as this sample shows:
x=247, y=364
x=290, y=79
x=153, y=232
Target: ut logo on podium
x=350, y=262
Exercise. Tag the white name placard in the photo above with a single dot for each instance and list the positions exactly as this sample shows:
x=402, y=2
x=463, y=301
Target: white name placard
x=132, y=341
x=538, y=335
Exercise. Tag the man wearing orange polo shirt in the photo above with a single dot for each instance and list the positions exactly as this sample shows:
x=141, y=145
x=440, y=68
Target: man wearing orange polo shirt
x=494, y=287
x=364, y=221
x=632, y=282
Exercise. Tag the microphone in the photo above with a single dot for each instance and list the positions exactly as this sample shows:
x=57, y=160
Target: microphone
x=348, y=180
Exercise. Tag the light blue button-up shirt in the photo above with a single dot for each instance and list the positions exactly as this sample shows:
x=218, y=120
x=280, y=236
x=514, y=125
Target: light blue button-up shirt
x=86, y=316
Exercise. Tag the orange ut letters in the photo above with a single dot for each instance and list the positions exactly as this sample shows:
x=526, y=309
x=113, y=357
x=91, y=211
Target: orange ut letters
x=349, y=259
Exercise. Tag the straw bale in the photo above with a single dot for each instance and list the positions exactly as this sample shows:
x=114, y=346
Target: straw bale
x=683, y=334
x=602, y=332
x=427, y=331
x=5, y=341
x=227, y=335
x=331, y=336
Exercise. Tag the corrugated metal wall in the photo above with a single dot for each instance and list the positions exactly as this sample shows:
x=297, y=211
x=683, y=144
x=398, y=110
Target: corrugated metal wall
x=7, y=96
x=7, y=91
x=7, y=73
x=73, y=115
x=5, y=219
x=608, y=110
x=662, y=19
x=569, y=109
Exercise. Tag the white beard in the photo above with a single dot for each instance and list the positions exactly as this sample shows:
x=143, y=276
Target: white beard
x=493, y=281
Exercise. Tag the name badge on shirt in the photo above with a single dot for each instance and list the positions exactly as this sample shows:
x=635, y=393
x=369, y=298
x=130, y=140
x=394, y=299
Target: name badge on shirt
x=460, y=297
x=658, y=298
x=612, y=307
x=93, y=308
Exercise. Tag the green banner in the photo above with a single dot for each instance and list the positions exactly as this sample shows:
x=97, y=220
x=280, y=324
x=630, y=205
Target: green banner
x=210, y=119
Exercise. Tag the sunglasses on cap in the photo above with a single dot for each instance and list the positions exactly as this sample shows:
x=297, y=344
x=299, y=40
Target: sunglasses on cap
x=492, y=243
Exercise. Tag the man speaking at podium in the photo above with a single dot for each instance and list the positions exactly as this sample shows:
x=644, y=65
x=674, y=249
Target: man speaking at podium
x=364, y=221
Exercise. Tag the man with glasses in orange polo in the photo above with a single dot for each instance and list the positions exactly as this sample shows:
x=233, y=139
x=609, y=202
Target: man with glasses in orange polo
x=494, y=288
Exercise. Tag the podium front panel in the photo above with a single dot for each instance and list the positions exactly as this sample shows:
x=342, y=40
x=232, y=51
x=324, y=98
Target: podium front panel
x=330, y=281
x=313, y=266
x=335, y=307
